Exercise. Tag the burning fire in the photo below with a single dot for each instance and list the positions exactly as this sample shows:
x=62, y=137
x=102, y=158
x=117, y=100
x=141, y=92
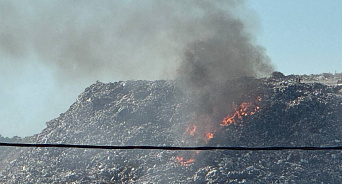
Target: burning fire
x=185, y=162
x=206, y=132
x=208, y=136
x=191, y=130
x=244, y=109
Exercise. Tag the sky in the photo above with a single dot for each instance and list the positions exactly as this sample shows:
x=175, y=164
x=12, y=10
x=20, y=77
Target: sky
x=300, y=37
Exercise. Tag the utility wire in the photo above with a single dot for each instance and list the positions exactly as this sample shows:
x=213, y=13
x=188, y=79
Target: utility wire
x=173, y=148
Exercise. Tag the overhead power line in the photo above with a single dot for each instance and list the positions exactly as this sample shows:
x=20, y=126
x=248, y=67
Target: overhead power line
x=173, y=148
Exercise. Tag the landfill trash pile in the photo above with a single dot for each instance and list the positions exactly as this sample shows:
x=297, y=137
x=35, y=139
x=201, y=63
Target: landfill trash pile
x=276, y=111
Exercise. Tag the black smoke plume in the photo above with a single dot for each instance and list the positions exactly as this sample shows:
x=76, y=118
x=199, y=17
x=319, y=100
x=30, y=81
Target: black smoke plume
x=225, y=53
x=81, y=41
x=130, y=39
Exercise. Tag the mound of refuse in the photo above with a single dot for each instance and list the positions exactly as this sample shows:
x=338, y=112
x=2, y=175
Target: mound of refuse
x=277, y=111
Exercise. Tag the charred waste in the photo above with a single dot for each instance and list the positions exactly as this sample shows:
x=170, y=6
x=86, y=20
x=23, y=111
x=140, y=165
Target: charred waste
x=276, y=111
x=216, y=94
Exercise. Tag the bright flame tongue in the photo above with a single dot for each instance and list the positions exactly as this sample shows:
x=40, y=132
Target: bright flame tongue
x=185, y=162
x=244, y=109
x=208, y=136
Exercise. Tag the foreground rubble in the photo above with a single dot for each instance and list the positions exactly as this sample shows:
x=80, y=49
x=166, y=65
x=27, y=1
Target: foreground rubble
x=156, y=113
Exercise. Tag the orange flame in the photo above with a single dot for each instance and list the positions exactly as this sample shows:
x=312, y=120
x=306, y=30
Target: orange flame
x=191, y=130
x=244, y=109
x=259, y=98
x=208, y=136
x=185, y=162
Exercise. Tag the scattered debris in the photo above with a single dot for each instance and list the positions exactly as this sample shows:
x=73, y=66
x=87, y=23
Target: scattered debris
x=281, y=112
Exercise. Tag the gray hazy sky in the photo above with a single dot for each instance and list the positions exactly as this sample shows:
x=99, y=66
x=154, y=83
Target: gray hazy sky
x=50, y=51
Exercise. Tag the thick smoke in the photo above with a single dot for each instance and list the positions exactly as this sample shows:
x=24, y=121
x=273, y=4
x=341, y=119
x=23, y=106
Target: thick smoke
x=128, y=39
x=78, y=42
x=226, y=52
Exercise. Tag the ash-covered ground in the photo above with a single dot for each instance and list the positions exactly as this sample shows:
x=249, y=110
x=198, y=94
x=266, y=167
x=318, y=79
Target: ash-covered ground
x=276, y=111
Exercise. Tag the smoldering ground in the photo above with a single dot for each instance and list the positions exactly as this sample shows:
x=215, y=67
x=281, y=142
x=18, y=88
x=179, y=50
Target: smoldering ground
x=79, y=42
